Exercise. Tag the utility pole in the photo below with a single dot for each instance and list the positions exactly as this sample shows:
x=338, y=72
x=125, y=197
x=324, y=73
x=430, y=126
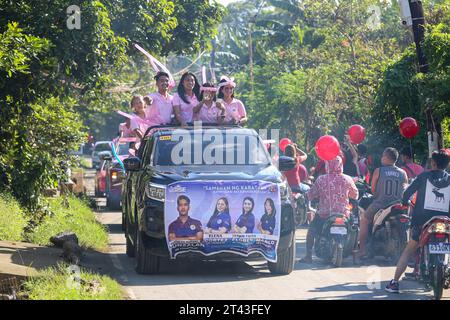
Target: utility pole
x=250, y=54
x=413, y=17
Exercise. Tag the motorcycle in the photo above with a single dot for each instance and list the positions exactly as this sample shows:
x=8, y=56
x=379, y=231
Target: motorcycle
x=388, y=234
x=434, y=254
x=301, y=208
x=338, y=238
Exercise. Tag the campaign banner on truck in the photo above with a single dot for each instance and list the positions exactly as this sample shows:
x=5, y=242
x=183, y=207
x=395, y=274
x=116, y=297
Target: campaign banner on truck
x=213, y=217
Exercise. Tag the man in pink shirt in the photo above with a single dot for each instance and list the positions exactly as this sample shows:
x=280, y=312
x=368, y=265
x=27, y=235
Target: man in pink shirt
x=161, y=110
x=333, y=191
x=412, y=169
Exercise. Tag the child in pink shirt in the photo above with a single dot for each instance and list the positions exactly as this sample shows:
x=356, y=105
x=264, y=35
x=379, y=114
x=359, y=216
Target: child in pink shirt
x=235, y=109
x=186, y=98
x=125, y=129
x=208, y=110
x=138, y=127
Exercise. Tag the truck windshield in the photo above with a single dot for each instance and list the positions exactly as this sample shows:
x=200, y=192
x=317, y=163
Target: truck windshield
x=102, y=147
x=205, y=149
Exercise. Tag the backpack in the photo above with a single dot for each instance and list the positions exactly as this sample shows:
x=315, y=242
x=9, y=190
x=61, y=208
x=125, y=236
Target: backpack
x=437, y=199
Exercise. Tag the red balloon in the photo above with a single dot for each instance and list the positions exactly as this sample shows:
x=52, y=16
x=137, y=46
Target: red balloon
x=284, y=143
x=357, y=134
x=409, y=128
x=327, y=148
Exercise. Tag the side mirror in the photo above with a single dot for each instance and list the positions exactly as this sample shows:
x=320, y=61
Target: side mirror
x=286, y=163
x=105, y=156
x=132, y=164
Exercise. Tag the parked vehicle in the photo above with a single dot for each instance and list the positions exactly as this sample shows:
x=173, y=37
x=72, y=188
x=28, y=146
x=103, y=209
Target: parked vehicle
x=99, y=147
x=152, y=170
x=100, y=180
x=434, y=255
x=109, y=177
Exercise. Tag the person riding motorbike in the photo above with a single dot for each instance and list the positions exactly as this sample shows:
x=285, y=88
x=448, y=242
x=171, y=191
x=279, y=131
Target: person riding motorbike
x=388, y=184
x=424, y=185
x=412, y=169
x=333, y=190
x=298, y=174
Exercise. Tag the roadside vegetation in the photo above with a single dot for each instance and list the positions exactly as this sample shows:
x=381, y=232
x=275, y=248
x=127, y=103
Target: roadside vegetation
x=65, y=283
x=12, y=219
x=60, y=215
x=70, y=214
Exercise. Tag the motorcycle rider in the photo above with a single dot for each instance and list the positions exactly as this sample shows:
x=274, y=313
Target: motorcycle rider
x=298, y=174
x=388, y=184
x=424, y=185
x=333, y=191
x=412, y=169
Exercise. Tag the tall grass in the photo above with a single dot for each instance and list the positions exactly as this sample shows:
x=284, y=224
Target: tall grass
x=12, y=219
x=60, y=283
x=72, y=215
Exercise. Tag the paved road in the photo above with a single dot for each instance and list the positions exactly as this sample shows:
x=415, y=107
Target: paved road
x=239, y=280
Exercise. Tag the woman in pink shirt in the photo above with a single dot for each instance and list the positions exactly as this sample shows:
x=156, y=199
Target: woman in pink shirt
x=161, y=110
x=208, y=110
x=235, y=109
x=186, y=98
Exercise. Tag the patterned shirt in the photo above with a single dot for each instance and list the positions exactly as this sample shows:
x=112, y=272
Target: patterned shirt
x=333, y=190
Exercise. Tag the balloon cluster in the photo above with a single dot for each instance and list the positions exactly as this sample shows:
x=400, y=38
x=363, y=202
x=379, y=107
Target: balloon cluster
x=327, y=147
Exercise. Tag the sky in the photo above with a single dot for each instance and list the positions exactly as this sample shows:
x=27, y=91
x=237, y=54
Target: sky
x=226, y=2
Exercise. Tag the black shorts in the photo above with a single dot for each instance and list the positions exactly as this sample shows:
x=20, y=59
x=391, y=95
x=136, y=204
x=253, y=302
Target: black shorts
x=416, y=231
x=317, y=224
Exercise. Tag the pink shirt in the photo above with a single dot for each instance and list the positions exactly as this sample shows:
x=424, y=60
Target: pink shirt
x=135, y=124
x=127, y=132
x=234, y=110
x=415, y=168
x=161, y=110
x=208, y=115
x=187, y=109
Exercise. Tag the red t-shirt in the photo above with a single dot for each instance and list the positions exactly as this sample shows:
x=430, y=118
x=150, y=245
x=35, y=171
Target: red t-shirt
x=296, y=175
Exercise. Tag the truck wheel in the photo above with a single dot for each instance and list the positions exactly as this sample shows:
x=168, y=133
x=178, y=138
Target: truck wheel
x=146, y=263
x=285, y=262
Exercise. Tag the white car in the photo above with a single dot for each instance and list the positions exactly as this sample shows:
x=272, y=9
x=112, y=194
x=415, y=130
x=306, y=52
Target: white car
x=99, y=147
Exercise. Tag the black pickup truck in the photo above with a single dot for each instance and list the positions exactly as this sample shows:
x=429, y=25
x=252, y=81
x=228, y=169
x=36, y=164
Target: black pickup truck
x=152, y=170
